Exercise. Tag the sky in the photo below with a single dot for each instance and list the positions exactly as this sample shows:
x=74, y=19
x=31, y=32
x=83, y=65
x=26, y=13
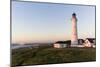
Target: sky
x=48, y=22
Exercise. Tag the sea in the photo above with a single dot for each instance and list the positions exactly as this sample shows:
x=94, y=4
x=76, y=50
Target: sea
x=23, y=46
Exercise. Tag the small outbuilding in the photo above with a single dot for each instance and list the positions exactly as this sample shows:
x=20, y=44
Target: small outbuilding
x=62, y=44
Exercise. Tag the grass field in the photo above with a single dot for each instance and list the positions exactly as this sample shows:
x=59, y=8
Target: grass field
x=45, y=55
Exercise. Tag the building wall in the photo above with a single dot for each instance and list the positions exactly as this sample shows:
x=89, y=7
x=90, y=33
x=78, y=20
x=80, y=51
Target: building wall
x=57, y=45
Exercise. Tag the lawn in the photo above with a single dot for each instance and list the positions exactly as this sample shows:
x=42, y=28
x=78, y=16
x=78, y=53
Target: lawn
x=47, y=55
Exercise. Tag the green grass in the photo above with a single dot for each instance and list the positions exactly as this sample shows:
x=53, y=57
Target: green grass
x=45, y=55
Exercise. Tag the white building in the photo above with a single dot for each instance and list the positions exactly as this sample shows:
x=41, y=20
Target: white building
x=90, y=42
x=62, y=44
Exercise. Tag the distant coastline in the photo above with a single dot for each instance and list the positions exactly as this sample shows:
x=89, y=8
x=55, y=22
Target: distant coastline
x=29, y=45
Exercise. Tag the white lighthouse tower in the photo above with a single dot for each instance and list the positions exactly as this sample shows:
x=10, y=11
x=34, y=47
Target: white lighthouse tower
x=74, y=36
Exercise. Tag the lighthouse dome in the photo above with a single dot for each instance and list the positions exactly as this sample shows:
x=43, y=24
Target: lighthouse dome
x=74, y=14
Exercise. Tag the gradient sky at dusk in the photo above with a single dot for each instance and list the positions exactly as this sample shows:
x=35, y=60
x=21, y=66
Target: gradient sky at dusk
x=47, y=22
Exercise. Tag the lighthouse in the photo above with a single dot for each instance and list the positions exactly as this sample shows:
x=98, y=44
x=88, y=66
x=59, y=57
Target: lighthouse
x=74, y=35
